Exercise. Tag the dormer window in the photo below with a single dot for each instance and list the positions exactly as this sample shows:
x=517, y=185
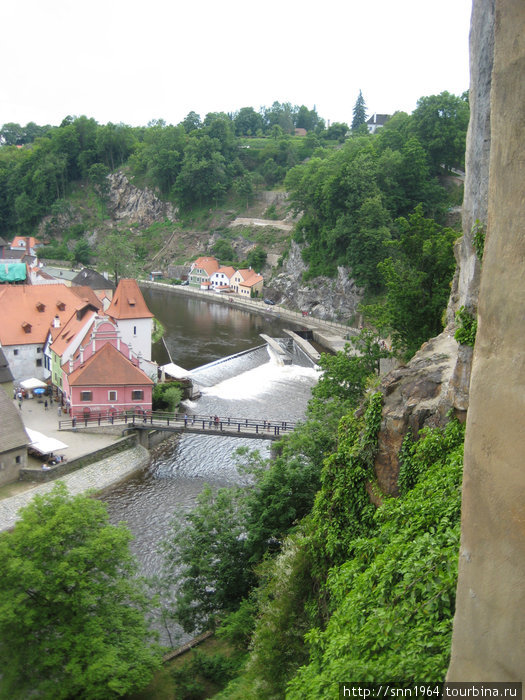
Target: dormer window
x=27, y=327
x=131, y=301
x=60, y=305
x=41, y=307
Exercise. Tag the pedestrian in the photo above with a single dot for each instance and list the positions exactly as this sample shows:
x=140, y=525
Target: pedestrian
x=59, y=410
x=45, y=405
x=20, y=404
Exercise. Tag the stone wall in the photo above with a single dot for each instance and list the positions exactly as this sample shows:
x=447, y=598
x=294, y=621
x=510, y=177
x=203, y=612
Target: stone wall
x=488, y=638
x=59, y=470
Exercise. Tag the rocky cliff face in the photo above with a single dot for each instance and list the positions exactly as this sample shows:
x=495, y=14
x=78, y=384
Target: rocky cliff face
x=137, y=206
x=326, y=298
x=487, y=642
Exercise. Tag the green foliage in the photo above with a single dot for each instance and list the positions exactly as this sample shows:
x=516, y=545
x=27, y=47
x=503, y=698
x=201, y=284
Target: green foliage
x=224, y=251
x=257, y=258
x=237, y=627
x=467, y=327
x=344, y=374
x=72, y=613
x=271, y=213
x=393, y=601
x=478, y=238
x=82, y=252
x=342, y=507
x=440, y=122
x=193, y=679
x=166, y=396
x=206, y=553
x=359, y=112
x=417, y=280
x=117, y=255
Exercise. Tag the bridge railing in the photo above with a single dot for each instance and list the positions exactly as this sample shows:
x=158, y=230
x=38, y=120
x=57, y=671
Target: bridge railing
x=179, y=421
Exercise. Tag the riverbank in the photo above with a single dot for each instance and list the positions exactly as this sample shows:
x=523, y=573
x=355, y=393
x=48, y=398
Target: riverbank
x=93, y=478
x=256, y=306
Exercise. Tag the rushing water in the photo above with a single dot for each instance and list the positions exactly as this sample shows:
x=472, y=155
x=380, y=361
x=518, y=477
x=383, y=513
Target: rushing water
x=251, y=384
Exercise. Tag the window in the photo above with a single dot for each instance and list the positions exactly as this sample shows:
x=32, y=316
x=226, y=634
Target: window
x=39, y=362
x=15, y=352
x=112, y=395
x=134, y=330
x=18, y=459
x=137, y=395
x=38, y=351
x=86, y=395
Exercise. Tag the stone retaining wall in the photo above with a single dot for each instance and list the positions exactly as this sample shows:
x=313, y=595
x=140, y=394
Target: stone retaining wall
x=64, y=468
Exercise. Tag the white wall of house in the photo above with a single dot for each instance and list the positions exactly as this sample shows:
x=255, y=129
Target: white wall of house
x=25, y=361
x=219, y=279
x=137, y=333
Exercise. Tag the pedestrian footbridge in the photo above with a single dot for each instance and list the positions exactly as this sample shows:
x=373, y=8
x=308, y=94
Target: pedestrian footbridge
x=180, y=422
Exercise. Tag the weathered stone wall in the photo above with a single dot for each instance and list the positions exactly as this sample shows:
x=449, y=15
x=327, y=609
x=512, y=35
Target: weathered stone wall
x=488, y=639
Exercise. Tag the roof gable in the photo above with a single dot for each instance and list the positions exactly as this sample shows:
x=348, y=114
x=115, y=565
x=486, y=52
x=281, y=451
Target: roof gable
x=128, y=302
x=108, y=367
x=29, y=311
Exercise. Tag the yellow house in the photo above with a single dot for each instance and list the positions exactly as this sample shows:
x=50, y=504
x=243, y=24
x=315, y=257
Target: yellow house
x=247, y=283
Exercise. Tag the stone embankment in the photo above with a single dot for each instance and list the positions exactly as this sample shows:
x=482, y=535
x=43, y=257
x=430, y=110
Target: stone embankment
x=94, y=478
x=330, y=333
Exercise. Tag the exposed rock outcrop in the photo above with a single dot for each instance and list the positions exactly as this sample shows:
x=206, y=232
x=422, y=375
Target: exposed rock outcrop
x=326, y=298
x=487, y=642
x=141, y=207
x=415, y=396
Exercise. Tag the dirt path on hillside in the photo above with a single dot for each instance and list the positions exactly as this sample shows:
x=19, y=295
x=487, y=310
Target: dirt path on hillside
x=241, y=221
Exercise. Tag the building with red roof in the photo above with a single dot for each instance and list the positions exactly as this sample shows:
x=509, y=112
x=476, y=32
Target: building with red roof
x=131, y=314
x=28, y=314
x=201, y=271
x=106, y=382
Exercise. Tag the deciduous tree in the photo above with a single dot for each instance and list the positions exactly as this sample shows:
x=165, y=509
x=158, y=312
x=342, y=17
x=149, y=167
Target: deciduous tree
x=72, y=613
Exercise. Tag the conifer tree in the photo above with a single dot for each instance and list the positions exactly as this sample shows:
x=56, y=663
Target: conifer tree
x=359, y=112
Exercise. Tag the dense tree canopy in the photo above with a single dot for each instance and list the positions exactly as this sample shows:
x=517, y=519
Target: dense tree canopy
x=72, y=613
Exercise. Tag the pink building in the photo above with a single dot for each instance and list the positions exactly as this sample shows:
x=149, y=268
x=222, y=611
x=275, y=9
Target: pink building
x=107, y=382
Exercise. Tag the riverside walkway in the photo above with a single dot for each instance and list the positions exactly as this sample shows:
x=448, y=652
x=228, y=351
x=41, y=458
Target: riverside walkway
x=180, y=422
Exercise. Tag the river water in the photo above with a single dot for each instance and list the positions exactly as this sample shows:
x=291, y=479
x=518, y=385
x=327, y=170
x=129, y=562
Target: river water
x=251, y=385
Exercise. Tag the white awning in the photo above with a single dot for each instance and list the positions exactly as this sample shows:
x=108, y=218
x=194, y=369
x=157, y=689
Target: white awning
x=175, y=371
x=33, y=383
x=43, y=444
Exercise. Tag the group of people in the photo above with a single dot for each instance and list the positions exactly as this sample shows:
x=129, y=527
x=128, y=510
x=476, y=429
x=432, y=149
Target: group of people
x=52, y=461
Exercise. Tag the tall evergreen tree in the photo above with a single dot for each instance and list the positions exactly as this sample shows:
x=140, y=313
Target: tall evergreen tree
x=359, y=112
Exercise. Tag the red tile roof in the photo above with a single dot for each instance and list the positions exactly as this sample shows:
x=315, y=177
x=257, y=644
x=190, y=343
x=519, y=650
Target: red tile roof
x=107, y=367
x=18, y=240
x=127, y=302
x=208, y=264
x=28, y=311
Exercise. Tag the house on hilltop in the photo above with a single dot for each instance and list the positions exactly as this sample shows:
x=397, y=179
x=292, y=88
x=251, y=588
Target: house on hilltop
x=376, y=121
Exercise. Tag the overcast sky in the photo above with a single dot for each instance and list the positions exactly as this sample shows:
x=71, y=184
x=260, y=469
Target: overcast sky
x=131, y=61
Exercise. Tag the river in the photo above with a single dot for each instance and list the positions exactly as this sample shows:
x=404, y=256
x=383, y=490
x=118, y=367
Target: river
x=252, y=384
